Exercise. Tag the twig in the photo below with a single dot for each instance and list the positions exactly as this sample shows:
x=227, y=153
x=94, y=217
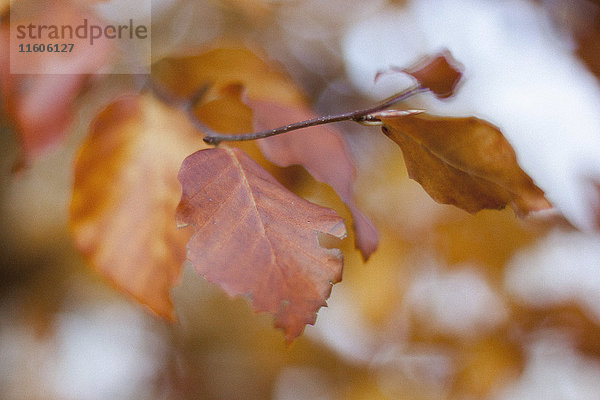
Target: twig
x=357, y=116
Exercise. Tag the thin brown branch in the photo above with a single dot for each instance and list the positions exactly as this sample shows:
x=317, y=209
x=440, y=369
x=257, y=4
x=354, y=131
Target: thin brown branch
x=357, y=116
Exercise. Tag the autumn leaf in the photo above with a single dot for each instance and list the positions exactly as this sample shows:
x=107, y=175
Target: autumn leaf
x=466, y=162
x=274, y=101
x=122, y=213
x=255, y=238
x=41, y=106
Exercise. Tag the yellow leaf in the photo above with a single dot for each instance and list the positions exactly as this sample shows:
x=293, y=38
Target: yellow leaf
x=122, y=213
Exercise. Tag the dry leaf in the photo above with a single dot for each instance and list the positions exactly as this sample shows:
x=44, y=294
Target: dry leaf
x=255, y=238
x=125, y=194
x=466, y=162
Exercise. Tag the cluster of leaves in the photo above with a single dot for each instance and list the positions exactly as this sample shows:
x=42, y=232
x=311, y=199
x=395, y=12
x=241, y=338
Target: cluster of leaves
x=137, y=173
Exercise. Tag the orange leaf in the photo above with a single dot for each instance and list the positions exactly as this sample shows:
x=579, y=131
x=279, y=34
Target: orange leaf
x=322, y=151
x=122, y=213
x=466, y=162
x=255, y=238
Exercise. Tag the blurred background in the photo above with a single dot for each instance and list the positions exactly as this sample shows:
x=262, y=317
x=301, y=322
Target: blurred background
x=451, y=306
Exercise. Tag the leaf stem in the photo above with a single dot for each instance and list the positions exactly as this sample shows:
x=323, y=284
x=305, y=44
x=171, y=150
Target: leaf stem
x=357, y=116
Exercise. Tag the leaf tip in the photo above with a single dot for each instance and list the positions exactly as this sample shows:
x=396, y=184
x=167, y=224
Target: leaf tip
x=532, y=203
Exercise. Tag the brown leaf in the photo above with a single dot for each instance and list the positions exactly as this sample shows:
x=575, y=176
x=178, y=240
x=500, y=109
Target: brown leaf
x=255, y=238
x=439, y=73
x=466, y=162
x=122, y=213
x=40, y=106
x=322, y=151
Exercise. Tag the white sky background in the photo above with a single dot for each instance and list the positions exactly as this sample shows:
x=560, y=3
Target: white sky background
x=520, y=73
